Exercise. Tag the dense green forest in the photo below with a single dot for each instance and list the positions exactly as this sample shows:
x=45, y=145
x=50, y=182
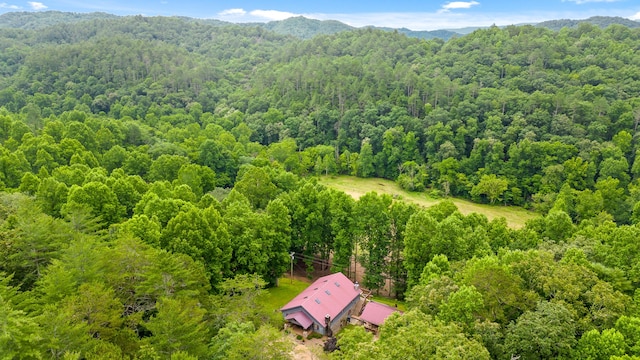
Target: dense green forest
x=157, y=172
x=601, y=21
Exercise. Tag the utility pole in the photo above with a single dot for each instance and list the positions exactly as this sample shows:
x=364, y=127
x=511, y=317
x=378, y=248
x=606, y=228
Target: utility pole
x=355, y=263
x=292, y=254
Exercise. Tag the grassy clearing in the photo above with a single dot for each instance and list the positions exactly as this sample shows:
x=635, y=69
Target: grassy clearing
x=401, y=305
x=275, y=298
x=356, y=187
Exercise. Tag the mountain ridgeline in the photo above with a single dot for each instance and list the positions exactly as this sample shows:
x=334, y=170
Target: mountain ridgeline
x=299, y=27
x=601, y=21
x=157, y=171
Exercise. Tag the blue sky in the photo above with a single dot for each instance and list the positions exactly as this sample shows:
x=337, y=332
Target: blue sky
x=415, y=15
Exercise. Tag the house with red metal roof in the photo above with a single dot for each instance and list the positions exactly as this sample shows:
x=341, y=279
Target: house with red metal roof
x=325, y=305
x=374, y=314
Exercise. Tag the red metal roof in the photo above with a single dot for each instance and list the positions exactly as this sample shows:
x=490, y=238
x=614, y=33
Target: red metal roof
x=300, y=317
x=328, y=295
x=375, y=313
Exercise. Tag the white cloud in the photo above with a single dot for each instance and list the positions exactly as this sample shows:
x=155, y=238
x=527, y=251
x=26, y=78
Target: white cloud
x=636, y=16
x=459, y=5
x=272, y=14
x=232, y=12
x=37, y=5
x=241, y=15
x=9, y=6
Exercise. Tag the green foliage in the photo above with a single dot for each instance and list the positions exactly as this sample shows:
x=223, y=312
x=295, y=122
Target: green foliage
x=505, y=297
x=594, y=345
x=462, y=306
x=63, y=335
x=255, y=183
x=31, y=241
x=365, y=161
x=239, y=298
x=202, y=235
x=411, y=336
x=178, y=327
x=548, y=332
x=160, y=161
x=20, y=332
x=352, y=341
x=628, y=327
x=600, y=21
x=420, y=228
x=238, y=341
x=373, y=230
x=99, y=199
x=490, y=186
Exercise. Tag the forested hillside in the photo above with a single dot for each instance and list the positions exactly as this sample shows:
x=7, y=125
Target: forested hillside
x=601, y=21
x=156, y=173
x=39, y=20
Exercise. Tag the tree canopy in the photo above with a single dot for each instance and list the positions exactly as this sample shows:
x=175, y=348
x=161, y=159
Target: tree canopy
x=157, y=173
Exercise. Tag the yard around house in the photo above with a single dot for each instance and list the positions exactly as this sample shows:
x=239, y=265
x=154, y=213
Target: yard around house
x=516, y=216
x=400, y=305
x=276, y=297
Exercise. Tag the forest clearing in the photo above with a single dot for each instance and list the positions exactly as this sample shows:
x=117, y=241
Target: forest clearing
x=356, y=187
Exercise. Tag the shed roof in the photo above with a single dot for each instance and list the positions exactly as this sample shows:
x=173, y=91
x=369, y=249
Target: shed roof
x=328, y=295
x=375, y=313
x=301, y=318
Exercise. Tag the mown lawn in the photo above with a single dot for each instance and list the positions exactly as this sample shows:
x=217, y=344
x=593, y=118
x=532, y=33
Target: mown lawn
x=275, y=298
x=401, y=305
x=356, y=187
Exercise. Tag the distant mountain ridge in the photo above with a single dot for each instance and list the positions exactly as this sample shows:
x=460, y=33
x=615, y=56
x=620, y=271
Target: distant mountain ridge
x=38, y=20
x=299, y=27
x=305, y=28
x=422, y=34
x=601, y=21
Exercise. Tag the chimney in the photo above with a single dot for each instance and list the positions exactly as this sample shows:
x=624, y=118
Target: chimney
x=327, y=321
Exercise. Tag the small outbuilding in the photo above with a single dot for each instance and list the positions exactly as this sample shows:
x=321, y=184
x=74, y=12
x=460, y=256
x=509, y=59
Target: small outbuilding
x=374, y=314
x=325, y=305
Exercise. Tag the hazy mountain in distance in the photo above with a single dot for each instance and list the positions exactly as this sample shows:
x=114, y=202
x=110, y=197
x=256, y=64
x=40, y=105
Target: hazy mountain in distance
x=601, y=21
x=555, y=25
x=422, y=34
x=38, y=20
x=467, y=30
x=299, y=27
x=305, y=28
